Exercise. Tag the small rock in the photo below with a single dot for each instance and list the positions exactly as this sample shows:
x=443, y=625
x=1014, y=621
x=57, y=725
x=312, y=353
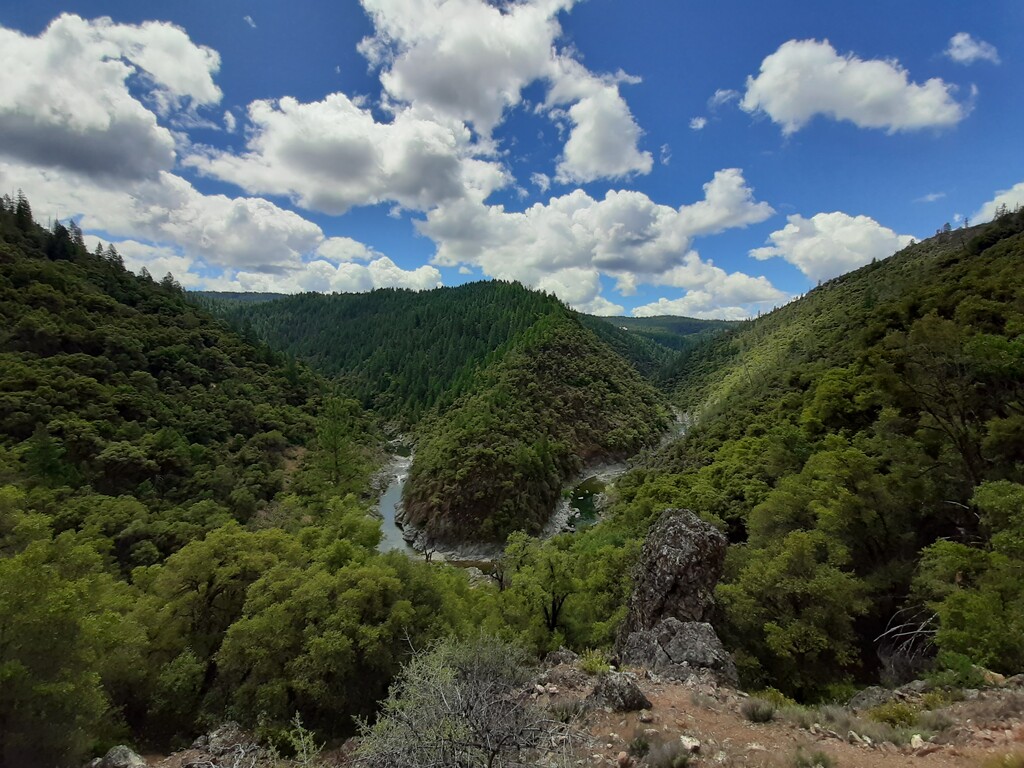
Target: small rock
x=916, y=742
x=552, y=689
x=624, y=760
x=690, y=744
x=645, y=716
x=853, y=738
x=539, y=689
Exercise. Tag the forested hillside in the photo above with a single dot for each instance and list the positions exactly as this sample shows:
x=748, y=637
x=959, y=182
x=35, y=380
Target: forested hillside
x=864, y=449
x=497, y=460
x=182, y=538
x=400, y=352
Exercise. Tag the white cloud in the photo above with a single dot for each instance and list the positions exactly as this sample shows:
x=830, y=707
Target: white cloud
x=224, y=232
x=65, y=100
x=249, y=20
x=830, y=244
x=230, y=122
x=722, y=97
x=698, y=123
x=469, y=60
x=665, y=154
x=566, y=244
x=1012, y=198
x=341, y=249
x=931, y=197
x=804, y=78
x=331, y=155
x=466, y=59
x=541, y=181
x=964, y=49
x=604, y=136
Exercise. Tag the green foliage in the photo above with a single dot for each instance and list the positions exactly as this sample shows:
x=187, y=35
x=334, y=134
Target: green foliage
x=401, y=353
x=898, y=714
x=594, y=662
x=497, y=460
x=67, y=647
x=863, y=449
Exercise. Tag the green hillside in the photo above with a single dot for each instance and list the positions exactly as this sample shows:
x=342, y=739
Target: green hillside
x=400, y=352
x=864, y=448
x=496, y=461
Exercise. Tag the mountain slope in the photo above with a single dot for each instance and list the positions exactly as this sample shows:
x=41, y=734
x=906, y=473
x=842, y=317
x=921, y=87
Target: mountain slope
x=496, y=461
x=400, y=352
x=862, y=446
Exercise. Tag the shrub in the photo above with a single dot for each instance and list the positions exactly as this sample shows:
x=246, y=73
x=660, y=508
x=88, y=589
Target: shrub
x=954, y=670
x=671, y=754
x=595, y=662
x=758, y=710
x=815, y=759
x=639, y=746
x=899, y=714
x=776, y=697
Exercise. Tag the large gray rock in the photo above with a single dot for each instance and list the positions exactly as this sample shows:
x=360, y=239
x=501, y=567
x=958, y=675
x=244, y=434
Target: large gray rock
x=679, y=566
x=619, y=692
x=680, y=650
x=120, y=757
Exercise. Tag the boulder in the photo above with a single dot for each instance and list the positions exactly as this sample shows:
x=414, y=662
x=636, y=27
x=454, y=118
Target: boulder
x=562, y=656
x=620, y=692
x=120, y=757
x=872, y=696
x=681, y=562
x=680, y=650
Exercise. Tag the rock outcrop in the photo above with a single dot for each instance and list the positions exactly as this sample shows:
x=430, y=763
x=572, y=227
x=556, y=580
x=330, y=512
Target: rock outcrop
x=665, y=629
x=680, y=565
x=119, y=757
x=680, y=650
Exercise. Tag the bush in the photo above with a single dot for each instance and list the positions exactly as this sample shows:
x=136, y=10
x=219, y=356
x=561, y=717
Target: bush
x=898, y=714
x=595, y=662
x=954, y=670
x=639, y=746
x=815, y=759
x=671, y=754
x=758, y=710
x=460, y=703
x=1009, y=760
x=776, y=697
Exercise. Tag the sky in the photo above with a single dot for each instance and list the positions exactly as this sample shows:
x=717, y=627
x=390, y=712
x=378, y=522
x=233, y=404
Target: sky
x=645, y=158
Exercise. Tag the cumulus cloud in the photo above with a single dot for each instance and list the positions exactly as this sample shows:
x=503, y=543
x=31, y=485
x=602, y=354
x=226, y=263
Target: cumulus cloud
x=964, y=49
x=469, y=60
x=830, y=244
x=567, y=243
x=65, y=99
x=333, y=154
x=604, y=136
x=698, y=123
x=541, y=181
x=1012, y=198
x=804, y=78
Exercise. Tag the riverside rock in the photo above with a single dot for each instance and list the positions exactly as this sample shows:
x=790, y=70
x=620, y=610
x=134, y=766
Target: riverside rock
x=679, y=566
x=120, y=757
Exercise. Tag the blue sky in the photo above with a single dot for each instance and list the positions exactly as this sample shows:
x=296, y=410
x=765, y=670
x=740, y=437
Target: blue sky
x=710, y=159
